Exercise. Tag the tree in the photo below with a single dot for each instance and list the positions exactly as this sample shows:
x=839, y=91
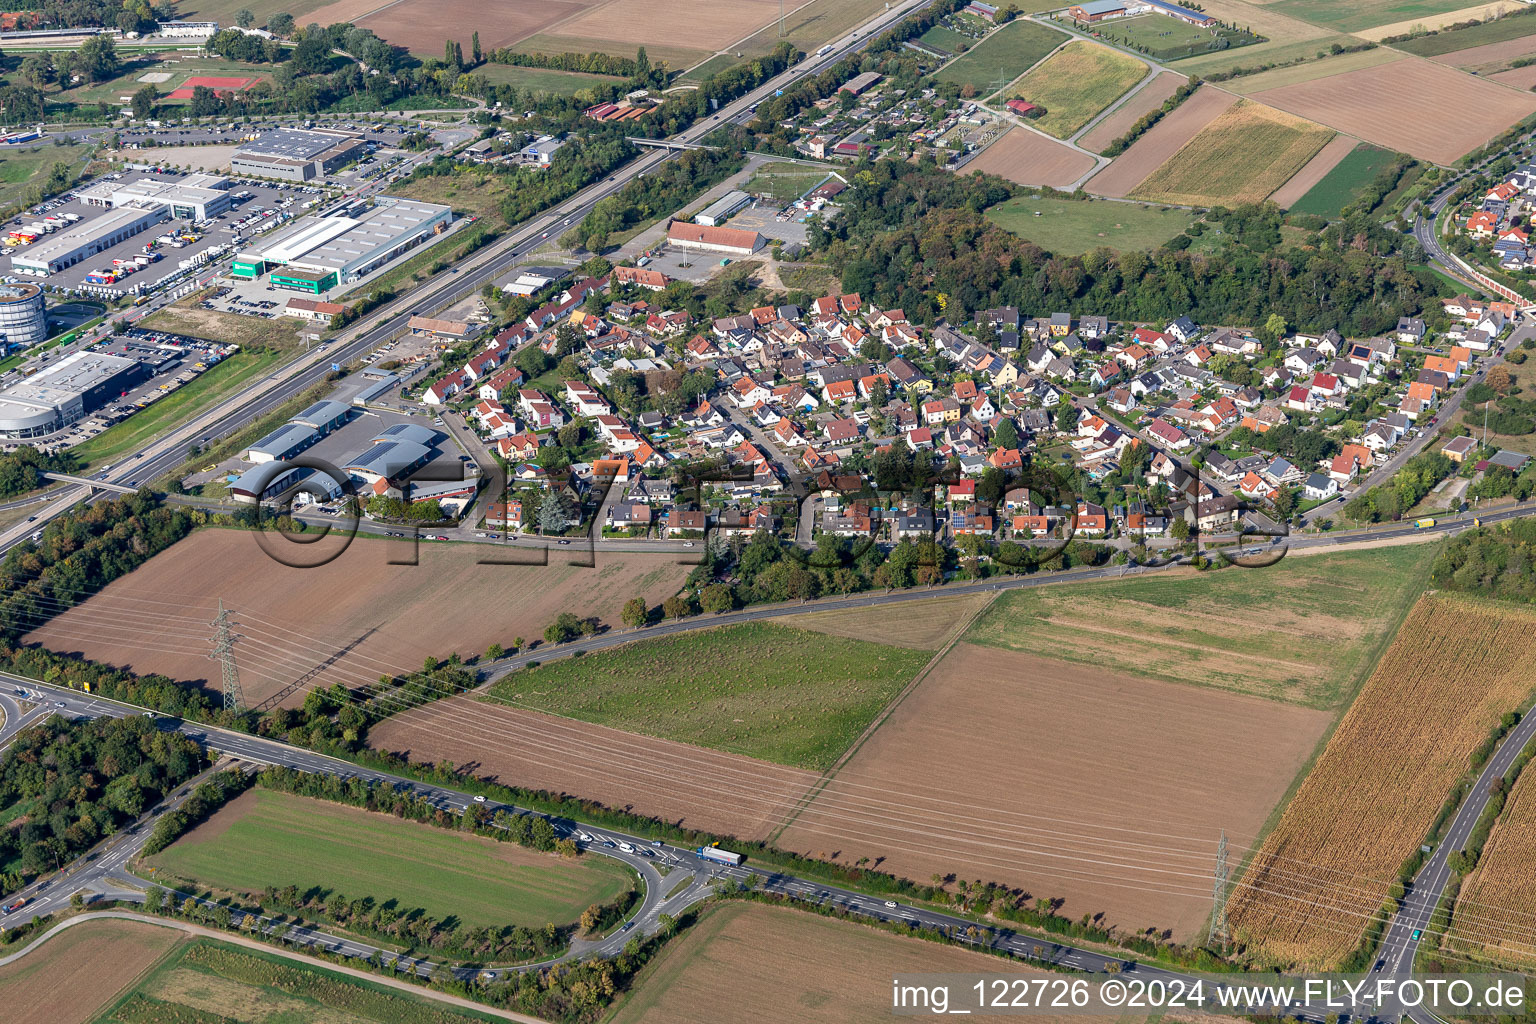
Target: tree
x=97, y=59
x=244, y=18
x=636, y=612
x=564, y=629
x=1066, y=417
x=37, y=68
x=281, y=24
x=494, y=652
x=718, y=598
x=1007, y=435
x=474, y=48
x=144, y=102
x=676, y=608
x=1179, y=528
x=1275, y=326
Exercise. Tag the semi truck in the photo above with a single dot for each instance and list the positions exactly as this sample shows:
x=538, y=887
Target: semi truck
x=718, y=855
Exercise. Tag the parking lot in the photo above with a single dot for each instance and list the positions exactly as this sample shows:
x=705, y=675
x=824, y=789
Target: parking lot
x=773, y=222
x=255, y=205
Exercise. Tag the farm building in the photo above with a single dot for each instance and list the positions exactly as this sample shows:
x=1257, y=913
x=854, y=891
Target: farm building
x=861, y=83
x=1097, y=10
x=1022, y=108
x=1182, y=13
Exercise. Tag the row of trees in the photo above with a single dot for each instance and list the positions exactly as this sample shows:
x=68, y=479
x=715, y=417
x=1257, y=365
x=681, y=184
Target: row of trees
x=657, y=194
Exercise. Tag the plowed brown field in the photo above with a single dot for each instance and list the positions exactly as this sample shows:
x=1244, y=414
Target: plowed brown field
x=350, y=621
x=1415, y=106
x=1131, y=111
x=1026, y=158
x=1163, y=140
x=69, y=978
x=705, y=789
x=1488, y=53
x=1455, y=667
x=1068, y=781
x=423, y=25
x=1316, y=169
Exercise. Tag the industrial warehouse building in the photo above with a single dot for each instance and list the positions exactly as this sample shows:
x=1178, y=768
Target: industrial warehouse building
x=23, y=316
x=316, y=255
x=299, y=433
x=722, y=209
x=297, y=154
x=55, y=252
x=65, y=392
x=195, y=197
x=725, y=240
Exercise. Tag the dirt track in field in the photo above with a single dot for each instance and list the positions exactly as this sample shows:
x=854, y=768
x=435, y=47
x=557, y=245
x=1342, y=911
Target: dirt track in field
x=1415, y=106
x=373, y=618
x=1131, y=111
x=1315, y=170
x=697, y=788
x=1026, y=158
x=1070, y=782
x=1164, y=139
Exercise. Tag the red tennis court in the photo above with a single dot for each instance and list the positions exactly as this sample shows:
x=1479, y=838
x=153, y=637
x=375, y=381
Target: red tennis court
x=214, y=82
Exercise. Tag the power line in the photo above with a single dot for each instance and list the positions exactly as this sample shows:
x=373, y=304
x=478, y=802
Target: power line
x=224, y=654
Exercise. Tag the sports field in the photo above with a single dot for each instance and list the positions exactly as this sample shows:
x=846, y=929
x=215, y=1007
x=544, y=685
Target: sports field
x=267, y=838
x=1067, y=227
x=1415, y=106
x=1003, y=56
x=1075, y=83
x=1456, y=666
x=209, y=982
x=765, y=691
x=808, y=969
x=1073, y=782
x=72, y=976
x=1241, y=157
x=1341, y=186
x=1306, y=630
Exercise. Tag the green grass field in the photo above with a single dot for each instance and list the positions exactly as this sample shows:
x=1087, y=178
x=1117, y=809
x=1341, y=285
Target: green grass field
x=1307, y=630
x=209, y=982
x=21, y=169
x=947, y=39
x=542, y=80
x=210, y=387
x=1242, y=156
x=785, y=185
x=1363, y=14
x=1477, y=35
x=1341, y=186
x=1077, y=82
x=268, y=838
x=1005, y=55
x=1067, y=228
x=780, y=694
x=178, y=65
x=716, y=64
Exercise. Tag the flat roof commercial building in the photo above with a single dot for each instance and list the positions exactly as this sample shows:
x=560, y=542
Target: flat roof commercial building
x=297, y=154
x=196, y=197
x=344, y=247
x=53, y=253
x=65, y=392
x=722, y=209
x=285, y=442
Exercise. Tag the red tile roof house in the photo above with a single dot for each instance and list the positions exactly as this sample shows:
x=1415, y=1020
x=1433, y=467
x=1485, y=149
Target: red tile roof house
x=1168, y=434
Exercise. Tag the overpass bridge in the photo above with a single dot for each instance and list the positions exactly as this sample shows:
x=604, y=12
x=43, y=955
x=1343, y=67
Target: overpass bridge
x=70, y=478
x=667, y=144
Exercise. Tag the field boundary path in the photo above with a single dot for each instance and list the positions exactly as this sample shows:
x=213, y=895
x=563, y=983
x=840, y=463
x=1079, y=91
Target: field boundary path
x=961, y=625
x=240, y=940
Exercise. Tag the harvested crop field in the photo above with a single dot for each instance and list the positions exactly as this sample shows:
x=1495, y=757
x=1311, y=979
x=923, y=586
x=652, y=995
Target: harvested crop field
x=1075, y=83
x=1305, y=630
x=1440, y=17
x=924, y=625
x=704, y=789
x=307, y=627
x=1415, y=106
x=1075, y=757
x=1456, y=666
x=1160, y=142
x=678, y=31
x=1027, y=158
x=1491, y=53
x=1131, y=111
x=1241, y=157
x=809, y=969
x=266, y=838
x=69, y=978
x=337, y=11
x=1371, y=18
x=1315, y=171
x=1248, y=85
x=1517, y=78
x=423, y=25
x=1492, y=917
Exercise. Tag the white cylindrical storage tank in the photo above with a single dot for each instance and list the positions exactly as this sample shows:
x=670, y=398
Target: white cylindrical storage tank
x=23, y=321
